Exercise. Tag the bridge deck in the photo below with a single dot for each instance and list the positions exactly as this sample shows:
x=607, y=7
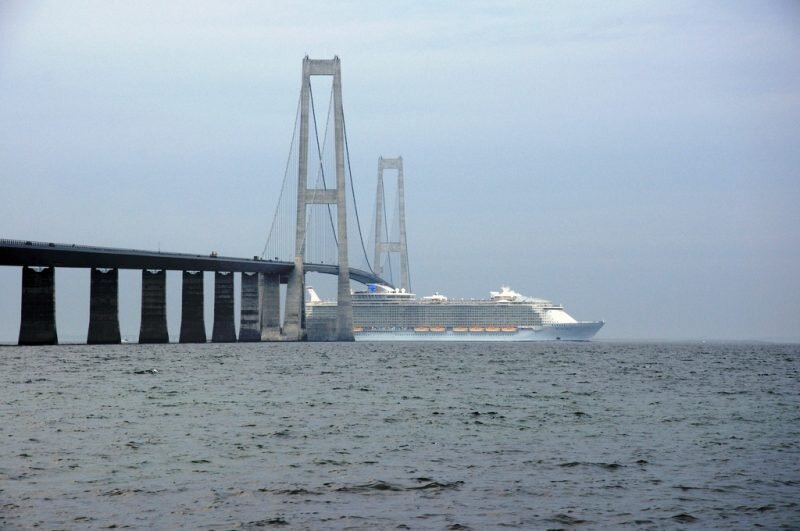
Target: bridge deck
x=28, y=253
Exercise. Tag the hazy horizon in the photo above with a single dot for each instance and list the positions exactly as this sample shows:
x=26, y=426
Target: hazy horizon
x=635, y=162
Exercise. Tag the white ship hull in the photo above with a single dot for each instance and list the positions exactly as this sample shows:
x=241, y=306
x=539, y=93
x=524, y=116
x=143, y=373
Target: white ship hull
x=581, y=331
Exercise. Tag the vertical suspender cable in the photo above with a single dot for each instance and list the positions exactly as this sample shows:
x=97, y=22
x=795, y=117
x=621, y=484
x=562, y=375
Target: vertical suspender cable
x=283, y=185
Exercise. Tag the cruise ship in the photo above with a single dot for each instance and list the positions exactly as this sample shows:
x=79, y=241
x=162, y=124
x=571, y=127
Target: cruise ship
x=382, y=313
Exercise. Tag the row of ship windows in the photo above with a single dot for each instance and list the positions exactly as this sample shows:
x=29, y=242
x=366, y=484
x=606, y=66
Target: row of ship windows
x=407, y=319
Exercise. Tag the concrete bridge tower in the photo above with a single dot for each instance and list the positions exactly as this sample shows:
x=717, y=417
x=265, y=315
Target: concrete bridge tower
x=399, y=246
x=294, y=322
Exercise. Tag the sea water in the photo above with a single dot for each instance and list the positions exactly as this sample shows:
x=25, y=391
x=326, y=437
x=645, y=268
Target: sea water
x=400, y=436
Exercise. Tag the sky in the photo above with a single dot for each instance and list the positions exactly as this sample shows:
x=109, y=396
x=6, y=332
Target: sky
x=635, y=161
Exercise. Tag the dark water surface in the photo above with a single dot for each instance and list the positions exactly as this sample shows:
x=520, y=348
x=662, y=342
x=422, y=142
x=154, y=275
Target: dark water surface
x=404, y=435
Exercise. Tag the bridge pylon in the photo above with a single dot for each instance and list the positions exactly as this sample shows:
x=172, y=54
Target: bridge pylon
x=294, y=327
x=386, y=246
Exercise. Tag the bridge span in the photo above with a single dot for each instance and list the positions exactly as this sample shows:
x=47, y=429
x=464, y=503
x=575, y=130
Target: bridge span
x=260, y=291
x=42, y=254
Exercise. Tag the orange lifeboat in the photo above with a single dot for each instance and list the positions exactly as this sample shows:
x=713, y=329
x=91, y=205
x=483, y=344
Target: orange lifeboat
x=509, y=329
x=460, y=329
x=476, y=329
x=437, y=329
x=421, y=329
x=492, y=329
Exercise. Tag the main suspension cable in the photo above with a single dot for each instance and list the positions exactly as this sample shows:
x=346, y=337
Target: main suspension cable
x=353, y=192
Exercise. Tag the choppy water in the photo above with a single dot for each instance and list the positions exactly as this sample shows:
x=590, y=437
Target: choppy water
x=384, y=436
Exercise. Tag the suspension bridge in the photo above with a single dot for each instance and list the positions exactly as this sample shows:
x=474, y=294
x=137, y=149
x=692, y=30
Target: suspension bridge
x=316, y=227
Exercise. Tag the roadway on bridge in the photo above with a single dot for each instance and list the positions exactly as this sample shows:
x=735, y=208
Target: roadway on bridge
x=42, y=254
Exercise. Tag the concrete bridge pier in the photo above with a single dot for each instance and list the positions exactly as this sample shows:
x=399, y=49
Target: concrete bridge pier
x=38, y=319
x=103, y=307
x=153, y=328
x=193, y=326
x=250, y=315
x=224, y=328
x=270, y=308
x=294, y=323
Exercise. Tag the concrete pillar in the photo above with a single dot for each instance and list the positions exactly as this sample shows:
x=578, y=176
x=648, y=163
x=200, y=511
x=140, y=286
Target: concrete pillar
x=294, y=325
x=344, y=304
x=38, y=322
x=250, y=314
x=103, y=307
x=271, y=308
x=193, y=327
x=224, y=329
x=153, y=327
x=380, y=195
x=405, y=277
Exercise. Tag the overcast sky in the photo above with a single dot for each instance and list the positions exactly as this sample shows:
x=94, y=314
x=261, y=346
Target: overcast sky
x=638, y=162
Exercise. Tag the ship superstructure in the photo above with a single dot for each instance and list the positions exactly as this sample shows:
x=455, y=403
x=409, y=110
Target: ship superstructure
x=385, y=313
